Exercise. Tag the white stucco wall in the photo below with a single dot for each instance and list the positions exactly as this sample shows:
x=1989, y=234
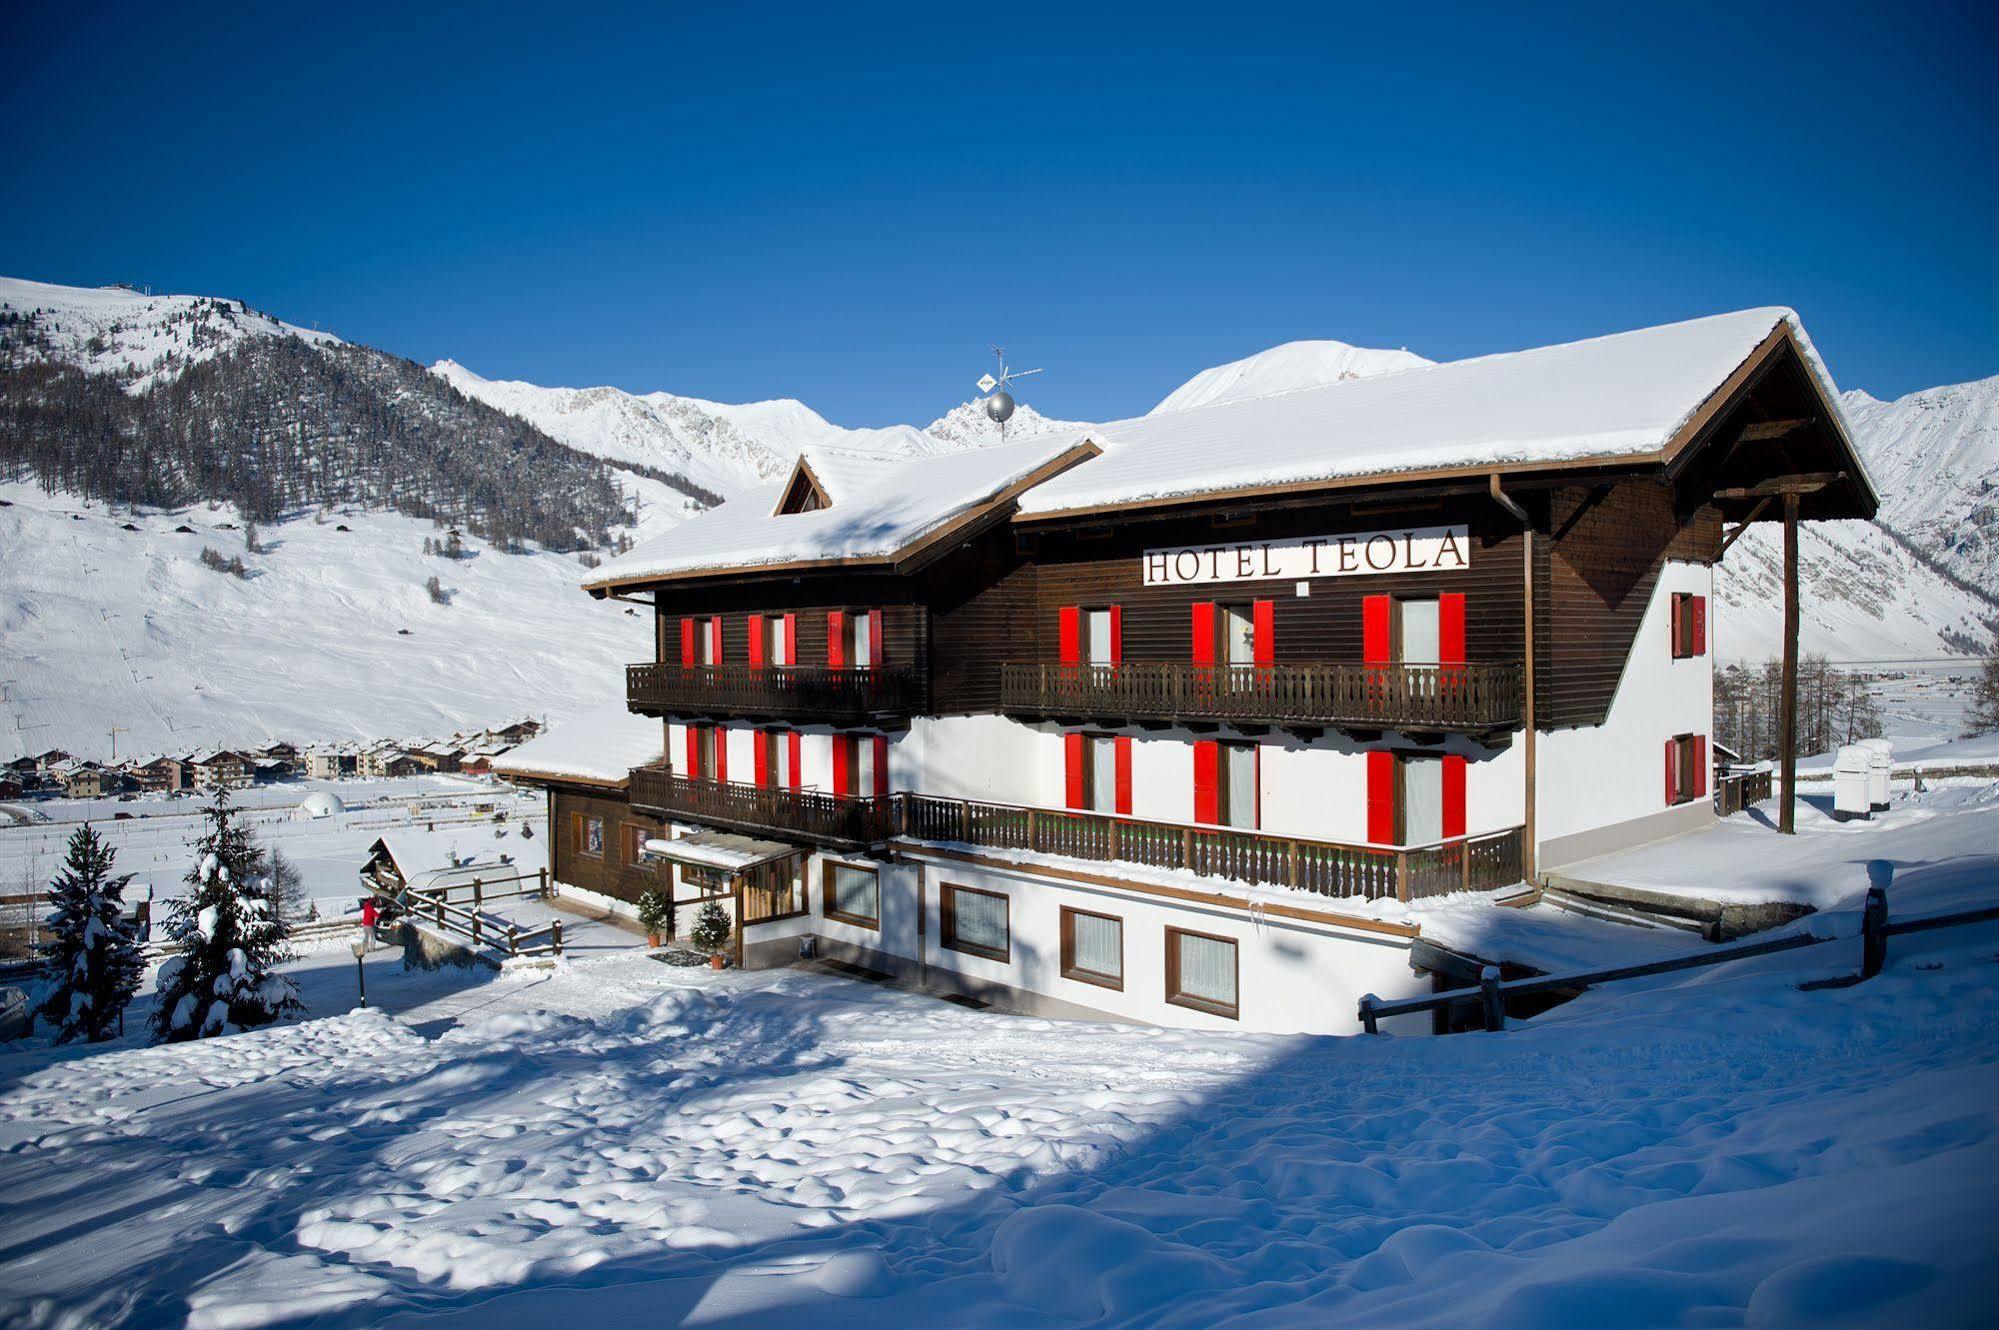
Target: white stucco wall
x=1614, y=772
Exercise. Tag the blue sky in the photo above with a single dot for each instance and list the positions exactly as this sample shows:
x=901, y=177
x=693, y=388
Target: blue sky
x=848, y=205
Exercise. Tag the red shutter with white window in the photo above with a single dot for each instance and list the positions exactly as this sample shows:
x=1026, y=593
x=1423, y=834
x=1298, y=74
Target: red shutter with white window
x=693, y=751
x=1700, y=625
x=721, y=752
x=1263, y=620
x=762, y=758
x=715, y=638
x=1117, y=634
x=791, y=639
x=687, y=642
x=1374, y=644
x=1451, y=628
x=1204, y=632
x=756, y=641
x=1381, y=798
x=843, y=750
x=877, y=647
x=836, y=645
x=796, y=742
x=1123, y=749
x=881, y=765
x=1454, y=796
x=1700, y=766
x=1207, y=780
x=1073, y=757
x=1672, y=771
x=1069, y=635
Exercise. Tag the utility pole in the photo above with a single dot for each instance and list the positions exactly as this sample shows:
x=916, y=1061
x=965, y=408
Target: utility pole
x=116, y=730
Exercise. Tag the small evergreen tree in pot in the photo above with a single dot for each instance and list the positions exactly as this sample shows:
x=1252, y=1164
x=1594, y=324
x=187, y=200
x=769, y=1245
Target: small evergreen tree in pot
x=656, y=914
x=711, y=930
x=93, y=954
x=229, y=939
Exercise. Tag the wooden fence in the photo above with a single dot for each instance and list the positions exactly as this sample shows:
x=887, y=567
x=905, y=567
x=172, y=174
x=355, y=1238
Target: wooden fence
x=814, y=691
x=829, y=819
x=473, y=924
x=1491, y=994
x=1732, y=794
x=1418, y=697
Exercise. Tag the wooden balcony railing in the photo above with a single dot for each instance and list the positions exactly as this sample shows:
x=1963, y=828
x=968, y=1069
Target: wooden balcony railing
x=1383, y=697
x=1328, y=868
x=1732, y=794
x=811, y=692
x=838, y=820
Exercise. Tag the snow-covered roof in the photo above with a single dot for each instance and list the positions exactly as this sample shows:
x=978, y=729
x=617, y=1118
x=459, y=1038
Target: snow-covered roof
x=725, y=850
x=1617, y=398
x=878, y=512
x=595, y=747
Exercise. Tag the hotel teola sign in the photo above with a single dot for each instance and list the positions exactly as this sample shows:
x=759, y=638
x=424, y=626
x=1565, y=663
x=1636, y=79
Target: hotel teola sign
x=1423, y=549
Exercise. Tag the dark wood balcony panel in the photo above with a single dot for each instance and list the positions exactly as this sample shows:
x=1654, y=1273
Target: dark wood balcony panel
x=813, y=816
x=1326, y=868
x=804, y=692
x=1471, y=698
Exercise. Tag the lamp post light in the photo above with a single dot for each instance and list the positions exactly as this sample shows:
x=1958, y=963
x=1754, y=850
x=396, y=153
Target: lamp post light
x=360, y=971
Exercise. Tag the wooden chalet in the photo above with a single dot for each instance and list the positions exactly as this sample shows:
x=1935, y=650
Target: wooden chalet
x=1160, y=719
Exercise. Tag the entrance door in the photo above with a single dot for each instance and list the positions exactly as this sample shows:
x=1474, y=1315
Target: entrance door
x=1422, y=799
x=1416, y=634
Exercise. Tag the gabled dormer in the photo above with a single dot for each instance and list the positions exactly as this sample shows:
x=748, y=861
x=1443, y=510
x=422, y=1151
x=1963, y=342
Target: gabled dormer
x=803, y=493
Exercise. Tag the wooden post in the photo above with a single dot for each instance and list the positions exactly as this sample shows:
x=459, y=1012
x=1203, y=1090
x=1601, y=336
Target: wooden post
x=1489, y=1000
x=1367, y=1021
x=1187, y=849
x=555, y=935
x=1874, y=933
x=478, y=896
x=1402, y=876
x=1032, y=842
x=1291, y=863
x=541, y=879
x=1787, y=721
x=965, y=821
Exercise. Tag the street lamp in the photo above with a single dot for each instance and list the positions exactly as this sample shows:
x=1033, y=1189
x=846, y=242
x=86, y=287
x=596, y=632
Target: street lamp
x=360, y=972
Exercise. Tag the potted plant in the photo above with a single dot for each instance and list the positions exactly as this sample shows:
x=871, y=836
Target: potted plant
x=656, y=915
x=711, y=932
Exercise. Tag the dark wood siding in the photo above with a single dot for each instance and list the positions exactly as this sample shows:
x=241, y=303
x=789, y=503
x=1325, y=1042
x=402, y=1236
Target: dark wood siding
x=608, y=875
x=981, y=600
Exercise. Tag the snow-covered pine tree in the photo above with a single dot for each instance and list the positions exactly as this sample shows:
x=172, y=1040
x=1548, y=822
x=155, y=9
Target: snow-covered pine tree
x=229, y=939
x=93, y=954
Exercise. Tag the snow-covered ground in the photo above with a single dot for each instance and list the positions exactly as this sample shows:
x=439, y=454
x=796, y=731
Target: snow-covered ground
x=331, y=637
x=620, y=1142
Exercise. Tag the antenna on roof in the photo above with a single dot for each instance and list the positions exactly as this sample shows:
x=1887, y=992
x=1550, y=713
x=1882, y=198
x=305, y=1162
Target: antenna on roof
x=999, y=402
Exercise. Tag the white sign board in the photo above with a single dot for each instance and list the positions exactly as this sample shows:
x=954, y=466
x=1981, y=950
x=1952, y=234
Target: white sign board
x=1423, y=549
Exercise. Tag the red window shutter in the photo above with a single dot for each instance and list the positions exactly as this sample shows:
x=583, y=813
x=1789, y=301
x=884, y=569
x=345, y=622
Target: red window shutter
x=1264, y=623
x=1700, y=765
x=881, y=764
x=1207, y=772
x=1672, y=773
x=762, y=750
x=1374, y=648
x=715, y=638
x=693, y=750
x=721, y=753
x=1069, y=621
x=1454, y=796
x=797, y=744
x=1381, y=797
x=842, y=756
x=687, y=642
x=756, y=636
x=1204, y=632
x=791, y=639
x=1117, y=634
x=1072, y=770
x=1700, y=625
x=836, y=648
x=875, y=642
x=1674, y=620
x=1123, y=750
x=1451, y=628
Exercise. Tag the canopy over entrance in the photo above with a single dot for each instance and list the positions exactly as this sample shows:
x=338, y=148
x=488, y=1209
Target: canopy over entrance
x=723, y=852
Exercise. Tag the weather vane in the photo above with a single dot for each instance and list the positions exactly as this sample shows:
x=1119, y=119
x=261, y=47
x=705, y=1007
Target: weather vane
x=999, y=402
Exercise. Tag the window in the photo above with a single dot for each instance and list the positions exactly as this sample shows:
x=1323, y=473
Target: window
x=1689, y=626
x=701, y=642
x=1201, y=972
x=854, y=639
x=777, y=759
x=781, y=634
x=1240, y=804
x=1099, y=645
x=1238, y=625
x=587, y=835
x=704, y=753
x=1416, y=631
x=1686, y=768
x=1092, y=948
x=851, y=894
x=1422, y=800
x=974, y=922
x=635, y=844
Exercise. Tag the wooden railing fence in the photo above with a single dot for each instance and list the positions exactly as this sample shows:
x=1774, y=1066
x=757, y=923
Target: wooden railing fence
x=1732, y=794
x=473, y=924
x=833, y=819
x=775, y=690
x=1449, y=697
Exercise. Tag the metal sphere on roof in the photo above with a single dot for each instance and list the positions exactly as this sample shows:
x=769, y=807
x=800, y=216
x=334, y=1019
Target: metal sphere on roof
x=1000, y=406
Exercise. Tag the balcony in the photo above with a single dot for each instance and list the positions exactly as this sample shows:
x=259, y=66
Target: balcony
x=838, y=821
x=1326, y=868
x=778, y=692
x=1479, y=699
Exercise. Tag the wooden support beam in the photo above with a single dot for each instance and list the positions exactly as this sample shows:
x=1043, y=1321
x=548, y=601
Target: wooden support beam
x=1807, y=483
x=1734, y=535
x=1758, y=431
x=1787, y=718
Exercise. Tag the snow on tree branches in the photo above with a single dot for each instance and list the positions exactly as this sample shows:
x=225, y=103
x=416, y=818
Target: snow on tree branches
x=230, y=941
x=93, y=955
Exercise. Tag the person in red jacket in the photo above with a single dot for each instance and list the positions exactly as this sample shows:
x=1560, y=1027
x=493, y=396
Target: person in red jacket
x=368, y=917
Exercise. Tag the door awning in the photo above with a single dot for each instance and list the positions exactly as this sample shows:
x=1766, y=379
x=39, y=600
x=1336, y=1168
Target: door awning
x=721, y=851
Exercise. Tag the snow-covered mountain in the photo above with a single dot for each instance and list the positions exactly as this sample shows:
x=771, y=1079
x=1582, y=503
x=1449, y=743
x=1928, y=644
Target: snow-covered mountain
x=968, y=426
x=1935, y=455
x=1283, y=368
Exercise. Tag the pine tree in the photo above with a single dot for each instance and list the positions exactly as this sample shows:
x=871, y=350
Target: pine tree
x=711, y=928
x=1984, y=712
x=93, y=954
x=230, y=942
